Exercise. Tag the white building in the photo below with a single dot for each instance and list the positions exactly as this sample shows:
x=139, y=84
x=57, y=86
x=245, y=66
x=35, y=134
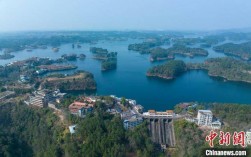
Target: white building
x=132, y=102
x=155, y=114
x=138, y=108
x=205, y=117
x=72, y=129
x=216, y=125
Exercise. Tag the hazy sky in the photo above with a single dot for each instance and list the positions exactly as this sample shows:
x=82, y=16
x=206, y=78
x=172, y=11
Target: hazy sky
x=16, y=15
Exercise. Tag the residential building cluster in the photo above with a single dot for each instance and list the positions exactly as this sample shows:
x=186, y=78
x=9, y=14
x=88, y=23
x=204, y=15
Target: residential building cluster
x=131, y=117
x=44, y=98
x=205, y=118
x=82, y=106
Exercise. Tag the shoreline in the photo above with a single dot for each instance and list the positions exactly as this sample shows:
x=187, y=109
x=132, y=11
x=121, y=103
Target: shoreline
x=159, y=76
x=245, y=81
x=211, y=75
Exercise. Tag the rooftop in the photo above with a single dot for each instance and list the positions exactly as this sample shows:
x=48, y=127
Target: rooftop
x=75, y=106
x=154, y=113
x=205, y=111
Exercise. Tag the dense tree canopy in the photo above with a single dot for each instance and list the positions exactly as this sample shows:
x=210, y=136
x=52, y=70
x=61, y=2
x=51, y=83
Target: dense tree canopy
x=228, y=68
x=169, y=70
x=242, y=50
x=109, y=65
x=33, y=132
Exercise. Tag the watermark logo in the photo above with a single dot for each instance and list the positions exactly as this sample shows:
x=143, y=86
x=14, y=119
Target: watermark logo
x=238, y=138
x=210, y=138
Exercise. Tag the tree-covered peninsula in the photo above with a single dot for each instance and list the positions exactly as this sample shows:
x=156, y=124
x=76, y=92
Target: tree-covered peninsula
x=227, y=68
x=80, y=81
x=242, y=50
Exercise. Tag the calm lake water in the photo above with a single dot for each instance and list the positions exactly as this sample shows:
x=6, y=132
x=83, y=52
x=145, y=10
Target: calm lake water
x=129, y=79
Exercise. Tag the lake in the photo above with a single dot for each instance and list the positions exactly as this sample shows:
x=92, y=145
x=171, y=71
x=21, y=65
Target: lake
x=129, y=79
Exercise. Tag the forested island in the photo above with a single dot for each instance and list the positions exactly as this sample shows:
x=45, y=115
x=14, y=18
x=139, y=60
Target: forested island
x=82, y=56
x=227, y=68
x=72, y=57
x=143, y=48
x=103, y=54
x=147, y=45
x=242, y=50
x=80, y=81
x=97, y=50
x=6, y=56
x=187, y=51
x=109, y=59
x=108, y=65
x=158, y=54
x=69, y=57
x=167, y=54
x=169, y=70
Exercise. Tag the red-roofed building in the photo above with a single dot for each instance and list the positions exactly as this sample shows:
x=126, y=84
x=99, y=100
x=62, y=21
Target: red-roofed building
x=80, y=108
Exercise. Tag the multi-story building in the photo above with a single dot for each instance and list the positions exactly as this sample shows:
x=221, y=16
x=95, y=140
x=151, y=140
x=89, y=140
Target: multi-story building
x=205, y=117
x=41, y=98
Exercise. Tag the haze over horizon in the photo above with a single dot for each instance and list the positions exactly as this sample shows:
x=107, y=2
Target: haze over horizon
x=32, y=15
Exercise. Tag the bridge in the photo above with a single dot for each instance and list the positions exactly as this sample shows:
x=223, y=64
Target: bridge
x=161, y=127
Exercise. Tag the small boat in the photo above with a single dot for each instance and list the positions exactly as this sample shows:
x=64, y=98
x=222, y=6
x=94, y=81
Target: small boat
x=55, y=49
x=79, y=46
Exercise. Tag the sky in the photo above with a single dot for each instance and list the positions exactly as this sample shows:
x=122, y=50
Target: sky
x=30, y=15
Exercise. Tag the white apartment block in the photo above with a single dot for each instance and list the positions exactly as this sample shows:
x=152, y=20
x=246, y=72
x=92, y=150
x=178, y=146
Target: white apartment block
x=205, y=117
